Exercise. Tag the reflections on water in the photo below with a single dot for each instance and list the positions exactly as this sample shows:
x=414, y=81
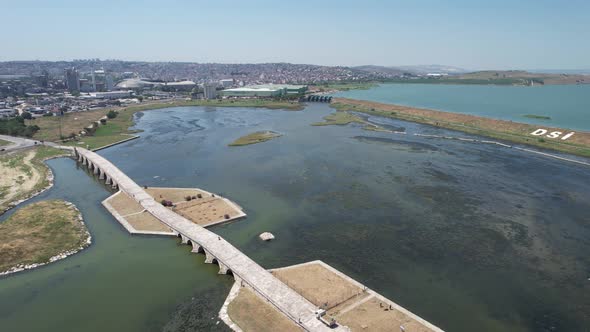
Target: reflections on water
x=471, y=237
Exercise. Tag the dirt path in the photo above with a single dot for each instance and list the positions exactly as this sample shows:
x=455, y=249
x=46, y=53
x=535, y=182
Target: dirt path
x=18, y=175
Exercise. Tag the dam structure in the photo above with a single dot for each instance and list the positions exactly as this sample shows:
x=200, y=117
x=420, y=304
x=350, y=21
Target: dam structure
x=216, y=249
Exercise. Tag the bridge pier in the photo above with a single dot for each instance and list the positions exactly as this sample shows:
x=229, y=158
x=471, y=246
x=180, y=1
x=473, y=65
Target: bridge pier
x=208, y=257
x=101, y=175
x=96, y=171
x=223, y=269
x=196, y=247
x=84, y=161
x=108, y=180
x=184, y=239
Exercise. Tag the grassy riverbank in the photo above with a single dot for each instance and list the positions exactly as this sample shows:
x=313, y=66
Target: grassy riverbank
x=345, y=86
x=253, y=138
x=3, y=142
x=37, y=232
x=343, y=118
x=116, y=129
x=578, y=144
x=23, y=174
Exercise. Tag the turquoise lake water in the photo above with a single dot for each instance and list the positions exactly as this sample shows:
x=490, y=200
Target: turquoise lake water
x=471, y=237
x=567, y=105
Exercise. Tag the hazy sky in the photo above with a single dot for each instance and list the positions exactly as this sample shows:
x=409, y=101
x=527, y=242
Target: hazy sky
x=498, y=34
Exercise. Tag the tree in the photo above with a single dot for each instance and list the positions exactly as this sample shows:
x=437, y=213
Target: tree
x=27, y=116
x=112, y=114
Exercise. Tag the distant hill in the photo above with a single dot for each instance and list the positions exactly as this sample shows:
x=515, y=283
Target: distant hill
x=525, y=77
x=392, y=71
x=416, y=70
x=434, y=69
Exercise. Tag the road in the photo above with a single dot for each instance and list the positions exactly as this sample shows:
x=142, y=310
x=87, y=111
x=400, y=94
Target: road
x=19, y=143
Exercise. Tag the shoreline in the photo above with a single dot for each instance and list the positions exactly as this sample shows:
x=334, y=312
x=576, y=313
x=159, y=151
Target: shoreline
x=120, y=125
x=516, y=132
x=62, y=255
x=49, y=178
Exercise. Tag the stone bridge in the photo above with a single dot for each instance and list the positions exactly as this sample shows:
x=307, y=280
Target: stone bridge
x=216, y=249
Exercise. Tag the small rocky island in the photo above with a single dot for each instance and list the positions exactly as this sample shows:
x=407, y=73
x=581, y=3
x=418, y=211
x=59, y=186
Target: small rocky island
x=257, y=137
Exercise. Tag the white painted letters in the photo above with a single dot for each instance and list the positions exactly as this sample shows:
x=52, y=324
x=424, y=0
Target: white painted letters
x=553, y=134
x=539, y=132
x=568, y=135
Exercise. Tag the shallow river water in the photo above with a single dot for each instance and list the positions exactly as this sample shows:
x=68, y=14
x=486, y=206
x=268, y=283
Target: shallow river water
x=470, y=237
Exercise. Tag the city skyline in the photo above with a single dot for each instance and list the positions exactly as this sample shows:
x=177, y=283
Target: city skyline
x=502, y=35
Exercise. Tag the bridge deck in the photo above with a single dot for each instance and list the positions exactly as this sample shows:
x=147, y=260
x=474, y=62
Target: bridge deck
x=242, y=267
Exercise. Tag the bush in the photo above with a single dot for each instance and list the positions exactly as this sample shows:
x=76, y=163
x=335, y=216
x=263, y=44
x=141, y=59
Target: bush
x=27, y=116
x=112, y=114
x=17, y=127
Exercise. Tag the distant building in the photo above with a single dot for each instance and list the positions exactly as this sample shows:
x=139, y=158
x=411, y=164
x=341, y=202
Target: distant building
x=265, y=90
x=209, y=90
x=135, y=84
x=180, y=86
x=227, y=83
x=110, y=94
x=85, y=85
x=248, y=92
x=72, y=79
x=7, y=112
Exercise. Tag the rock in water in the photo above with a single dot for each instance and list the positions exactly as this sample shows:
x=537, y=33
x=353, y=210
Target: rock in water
x=266, y=236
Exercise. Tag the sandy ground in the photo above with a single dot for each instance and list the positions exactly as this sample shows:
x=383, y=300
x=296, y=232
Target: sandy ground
x=202, y=211
x=131, y=211
x=175, y=195
x=346, y=301
x=124, y=204
x=19, y=179
x=252, y=313
x=144, y=221
x=318, y=285
x=370, y=316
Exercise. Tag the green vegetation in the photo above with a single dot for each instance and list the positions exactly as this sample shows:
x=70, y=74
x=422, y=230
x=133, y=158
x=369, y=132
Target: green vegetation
x=112, y=114
x=39, y=231
x=4, y=143
x=515, y=132
x=541, y=117
x=345, y=86
x=447, y=80
x=17, y=127
x=257, y=137
x=116, y=129
x=341, y=118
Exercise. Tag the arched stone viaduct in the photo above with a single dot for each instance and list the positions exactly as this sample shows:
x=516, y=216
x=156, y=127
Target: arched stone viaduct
x=216, y=249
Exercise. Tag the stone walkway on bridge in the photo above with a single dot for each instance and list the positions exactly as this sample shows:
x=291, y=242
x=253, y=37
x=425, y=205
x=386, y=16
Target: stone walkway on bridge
x=229, y=258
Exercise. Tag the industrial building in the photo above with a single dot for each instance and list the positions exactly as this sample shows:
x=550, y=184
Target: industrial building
x=72, y=79
x=265, y=90
x=210, y=90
